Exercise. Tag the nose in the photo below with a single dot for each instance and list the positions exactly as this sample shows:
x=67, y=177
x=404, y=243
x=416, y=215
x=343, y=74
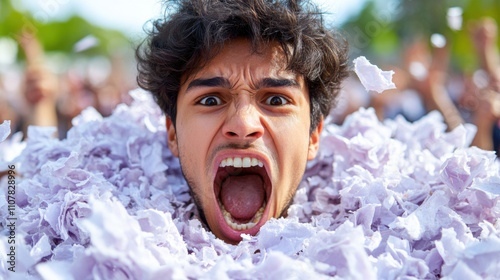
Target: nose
x=243, y=122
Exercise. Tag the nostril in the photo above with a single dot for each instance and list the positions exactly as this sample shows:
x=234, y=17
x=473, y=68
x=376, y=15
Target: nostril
x=232, y=134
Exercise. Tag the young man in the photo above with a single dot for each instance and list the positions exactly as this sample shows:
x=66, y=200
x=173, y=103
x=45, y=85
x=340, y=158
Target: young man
x=245, y=85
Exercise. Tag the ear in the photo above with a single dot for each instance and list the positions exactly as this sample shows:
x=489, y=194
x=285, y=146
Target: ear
x=172, y=138
x=314, y=140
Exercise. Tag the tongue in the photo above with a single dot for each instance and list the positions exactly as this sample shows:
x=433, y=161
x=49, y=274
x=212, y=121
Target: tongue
x=243, y=195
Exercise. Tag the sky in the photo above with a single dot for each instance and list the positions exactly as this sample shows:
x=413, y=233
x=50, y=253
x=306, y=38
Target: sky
x=129, y=16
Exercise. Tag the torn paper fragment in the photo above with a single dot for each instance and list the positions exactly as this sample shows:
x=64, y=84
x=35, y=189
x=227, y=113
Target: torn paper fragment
x=454, y=18
x=41, y=248
x=4, y=130
x=438, y=40
x=418, y=70
x=372, y=77
x=86, y=43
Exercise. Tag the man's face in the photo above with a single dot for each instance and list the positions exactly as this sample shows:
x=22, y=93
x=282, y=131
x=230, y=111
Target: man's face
x=242, y=137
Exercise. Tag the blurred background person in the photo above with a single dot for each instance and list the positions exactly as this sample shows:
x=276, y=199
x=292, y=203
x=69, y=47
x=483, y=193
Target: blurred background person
x=51, y=70
x=40, y=85
x=482, y=94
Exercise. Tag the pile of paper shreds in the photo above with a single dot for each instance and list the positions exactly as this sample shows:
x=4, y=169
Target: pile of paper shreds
x=392, y=200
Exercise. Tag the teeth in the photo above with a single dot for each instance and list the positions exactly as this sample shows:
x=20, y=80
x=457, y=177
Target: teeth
x=247, y=162
x=241, y=162
x=237, y=162
x=236, y=226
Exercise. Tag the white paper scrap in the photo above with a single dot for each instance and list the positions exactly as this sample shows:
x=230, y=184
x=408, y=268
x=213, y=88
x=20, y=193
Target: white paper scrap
x=372, y=77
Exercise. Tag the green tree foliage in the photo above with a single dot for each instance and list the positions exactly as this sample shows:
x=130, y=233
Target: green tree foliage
x=58, y=36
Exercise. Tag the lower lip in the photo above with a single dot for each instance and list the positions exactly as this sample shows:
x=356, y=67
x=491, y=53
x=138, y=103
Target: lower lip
x=235, y=235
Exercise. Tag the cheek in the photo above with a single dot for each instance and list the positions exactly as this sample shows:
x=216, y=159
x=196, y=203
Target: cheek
x=291, y=139
x=195, y=133
x=194, y=137
x=290, y=135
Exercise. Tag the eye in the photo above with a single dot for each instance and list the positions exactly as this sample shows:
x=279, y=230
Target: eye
x=210, y=101
x=276, y=100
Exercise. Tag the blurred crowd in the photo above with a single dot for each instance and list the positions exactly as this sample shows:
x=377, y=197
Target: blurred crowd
x=425, y=83
x=423, y=79
x=37, y=95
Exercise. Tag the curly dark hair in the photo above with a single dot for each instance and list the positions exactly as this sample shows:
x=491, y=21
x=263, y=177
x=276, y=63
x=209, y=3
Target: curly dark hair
x=194, y=31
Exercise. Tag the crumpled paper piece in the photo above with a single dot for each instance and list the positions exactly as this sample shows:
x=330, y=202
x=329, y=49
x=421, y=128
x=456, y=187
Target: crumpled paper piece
x=372, y=77
x=4, y=130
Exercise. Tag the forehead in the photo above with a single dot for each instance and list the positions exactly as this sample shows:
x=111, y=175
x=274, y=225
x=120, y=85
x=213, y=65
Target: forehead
x=237, y=58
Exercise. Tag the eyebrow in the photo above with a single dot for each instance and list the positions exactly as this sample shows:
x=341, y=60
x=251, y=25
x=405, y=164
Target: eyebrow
x=223, y=82
x=212, y=82
x=271, y=83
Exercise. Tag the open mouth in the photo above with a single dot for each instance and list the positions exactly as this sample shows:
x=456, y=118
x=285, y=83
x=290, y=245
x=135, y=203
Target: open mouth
x=242, y=189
